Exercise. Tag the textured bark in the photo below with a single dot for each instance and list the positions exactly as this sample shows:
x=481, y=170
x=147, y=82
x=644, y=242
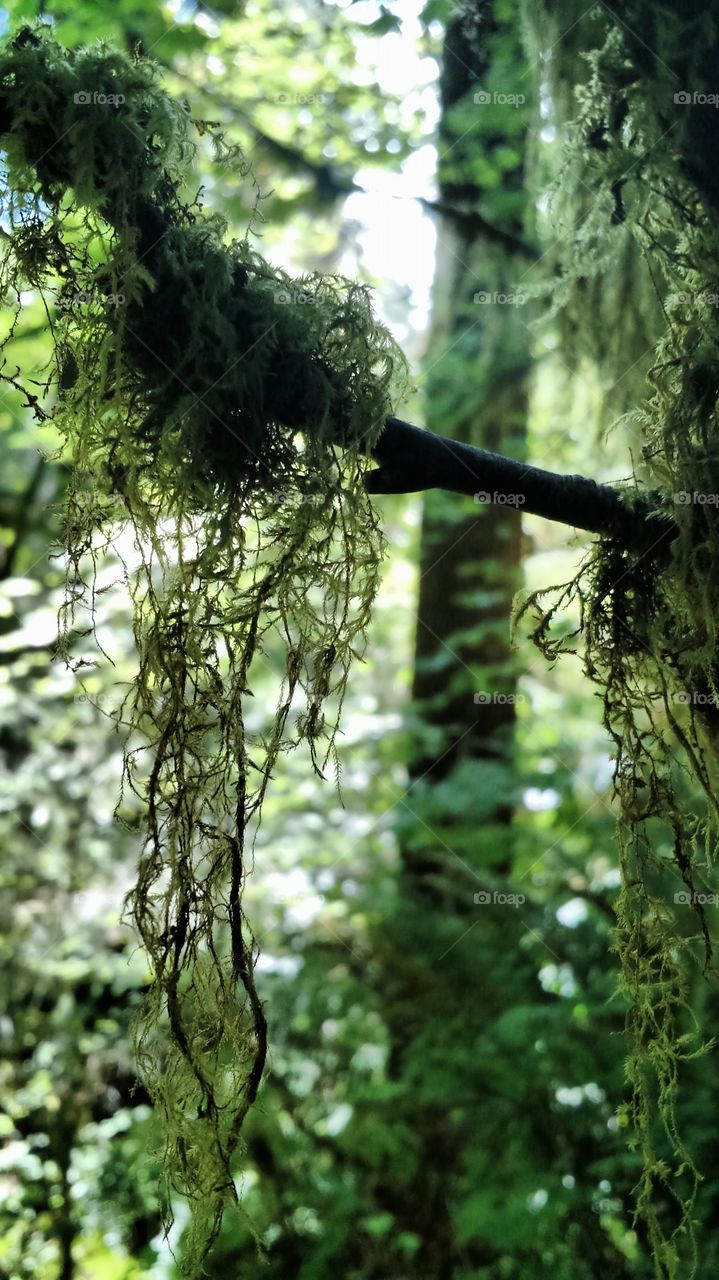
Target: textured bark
x=411, y=461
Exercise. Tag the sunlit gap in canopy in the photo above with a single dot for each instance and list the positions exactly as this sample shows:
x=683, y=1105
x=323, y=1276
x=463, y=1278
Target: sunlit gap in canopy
x=396, y=239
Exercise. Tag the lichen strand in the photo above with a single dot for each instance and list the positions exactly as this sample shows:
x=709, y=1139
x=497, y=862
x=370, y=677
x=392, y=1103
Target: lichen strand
x=649, y=623
x=218, y=414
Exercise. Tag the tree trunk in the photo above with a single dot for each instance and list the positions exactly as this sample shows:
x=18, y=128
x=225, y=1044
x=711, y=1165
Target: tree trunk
x=455, y=821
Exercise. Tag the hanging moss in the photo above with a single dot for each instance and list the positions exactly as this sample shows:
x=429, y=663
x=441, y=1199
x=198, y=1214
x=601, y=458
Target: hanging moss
x=196, y=387
x=649, y=623
x=597, y=286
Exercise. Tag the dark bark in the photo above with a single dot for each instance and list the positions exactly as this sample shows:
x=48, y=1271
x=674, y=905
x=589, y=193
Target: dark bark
x=411, y=460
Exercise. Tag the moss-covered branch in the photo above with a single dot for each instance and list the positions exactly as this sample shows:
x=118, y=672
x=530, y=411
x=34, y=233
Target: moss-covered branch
x=411, y=460
x=197, y=387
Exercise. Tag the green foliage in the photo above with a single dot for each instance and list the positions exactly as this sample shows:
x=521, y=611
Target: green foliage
x=650, y=620
x=221, y=413
x=597, y=285
x=511, y=1044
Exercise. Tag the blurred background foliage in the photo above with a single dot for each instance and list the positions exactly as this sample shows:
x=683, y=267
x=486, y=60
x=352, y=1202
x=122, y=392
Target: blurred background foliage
x=446, y=1073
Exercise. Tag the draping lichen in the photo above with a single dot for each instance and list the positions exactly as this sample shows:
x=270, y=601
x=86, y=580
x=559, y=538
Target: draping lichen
x=218, y=415
x=648, y=618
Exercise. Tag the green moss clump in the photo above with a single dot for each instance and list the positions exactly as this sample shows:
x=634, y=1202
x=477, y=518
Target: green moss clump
x=197, y=387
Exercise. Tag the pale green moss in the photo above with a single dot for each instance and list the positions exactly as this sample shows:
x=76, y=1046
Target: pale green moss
x=649, y=621
x=222, y=412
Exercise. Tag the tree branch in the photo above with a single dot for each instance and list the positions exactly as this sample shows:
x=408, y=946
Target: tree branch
x=411, y=460
x=333, y=183
x=471, y=223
